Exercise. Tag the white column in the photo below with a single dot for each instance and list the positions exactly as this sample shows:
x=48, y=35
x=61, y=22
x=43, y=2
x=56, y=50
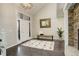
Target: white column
x=66, y=27
x=66, y=30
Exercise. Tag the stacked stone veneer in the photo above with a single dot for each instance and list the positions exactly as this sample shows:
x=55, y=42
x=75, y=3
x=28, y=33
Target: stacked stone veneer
x=71, y=26
x=73, y=20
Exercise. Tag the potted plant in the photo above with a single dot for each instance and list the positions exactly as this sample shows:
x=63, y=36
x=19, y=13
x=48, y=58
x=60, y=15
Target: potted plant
x=60, y=32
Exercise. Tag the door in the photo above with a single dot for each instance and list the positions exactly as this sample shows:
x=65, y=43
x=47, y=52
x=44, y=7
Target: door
x=24, y=30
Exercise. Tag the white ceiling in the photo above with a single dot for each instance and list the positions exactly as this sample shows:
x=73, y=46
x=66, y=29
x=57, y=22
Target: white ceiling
x=35, y=8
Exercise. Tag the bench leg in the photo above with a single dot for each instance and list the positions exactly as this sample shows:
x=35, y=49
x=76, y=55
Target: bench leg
x=52, y=38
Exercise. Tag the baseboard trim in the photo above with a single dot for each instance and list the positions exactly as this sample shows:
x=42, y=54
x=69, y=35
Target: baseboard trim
x=11, y=46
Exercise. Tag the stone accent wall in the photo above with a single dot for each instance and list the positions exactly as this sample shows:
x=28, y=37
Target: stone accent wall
x=73, y=20
x=76, y=25
x=71, y=26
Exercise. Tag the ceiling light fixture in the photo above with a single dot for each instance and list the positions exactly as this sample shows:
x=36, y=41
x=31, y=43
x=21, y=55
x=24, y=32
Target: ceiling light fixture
x=26, y=5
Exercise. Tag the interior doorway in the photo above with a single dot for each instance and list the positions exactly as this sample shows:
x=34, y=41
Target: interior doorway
x=23, y=27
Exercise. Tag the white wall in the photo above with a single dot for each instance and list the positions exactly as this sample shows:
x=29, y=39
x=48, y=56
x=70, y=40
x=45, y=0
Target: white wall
x=48, y=11
x=60, y=22
x=8, y=23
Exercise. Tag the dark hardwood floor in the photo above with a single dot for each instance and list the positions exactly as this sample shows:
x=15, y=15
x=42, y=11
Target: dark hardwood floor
x=20, y=50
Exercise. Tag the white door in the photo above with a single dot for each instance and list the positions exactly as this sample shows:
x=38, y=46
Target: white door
x=24, y=30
